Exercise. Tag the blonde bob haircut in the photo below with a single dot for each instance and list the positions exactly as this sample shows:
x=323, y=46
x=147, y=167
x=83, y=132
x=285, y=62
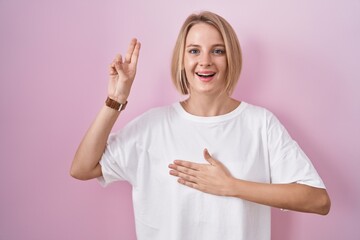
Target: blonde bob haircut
x=232, y=50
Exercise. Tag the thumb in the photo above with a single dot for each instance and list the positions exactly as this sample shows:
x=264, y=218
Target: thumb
x=208, y=157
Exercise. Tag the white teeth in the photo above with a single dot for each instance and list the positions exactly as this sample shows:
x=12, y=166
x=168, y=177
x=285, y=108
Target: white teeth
x=205, y=75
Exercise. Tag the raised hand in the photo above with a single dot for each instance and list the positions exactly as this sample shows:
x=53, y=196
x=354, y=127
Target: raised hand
x=122, y=73
x=213, y=178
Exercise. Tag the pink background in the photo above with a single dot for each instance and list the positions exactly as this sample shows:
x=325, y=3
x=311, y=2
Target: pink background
x=301, y=61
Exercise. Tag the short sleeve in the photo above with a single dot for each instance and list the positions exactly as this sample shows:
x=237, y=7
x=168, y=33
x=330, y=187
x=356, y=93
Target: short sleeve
x=288, y=163
x=120, y=158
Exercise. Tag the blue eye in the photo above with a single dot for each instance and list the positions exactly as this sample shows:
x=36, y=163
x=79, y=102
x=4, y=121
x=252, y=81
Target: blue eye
x=194, y=51
x=218, y=51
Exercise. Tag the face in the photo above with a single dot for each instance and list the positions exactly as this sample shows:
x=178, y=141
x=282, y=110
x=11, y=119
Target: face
x=205, y=60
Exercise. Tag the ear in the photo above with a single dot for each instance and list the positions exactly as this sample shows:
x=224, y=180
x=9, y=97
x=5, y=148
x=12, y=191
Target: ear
x=208, y=157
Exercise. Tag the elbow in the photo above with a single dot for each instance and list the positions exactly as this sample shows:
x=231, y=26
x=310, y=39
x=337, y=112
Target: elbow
x=77, y=173
x=317, y=201
x=323, y=203
x=84, y=172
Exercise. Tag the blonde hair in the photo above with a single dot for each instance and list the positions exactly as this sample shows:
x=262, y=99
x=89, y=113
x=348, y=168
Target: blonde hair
x=232, y=49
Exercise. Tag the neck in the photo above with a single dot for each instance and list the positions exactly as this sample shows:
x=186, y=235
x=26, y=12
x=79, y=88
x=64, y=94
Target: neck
x=208, y=106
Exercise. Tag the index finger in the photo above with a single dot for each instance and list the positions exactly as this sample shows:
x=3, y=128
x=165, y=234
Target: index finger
x=187, y=164
x=133, y=51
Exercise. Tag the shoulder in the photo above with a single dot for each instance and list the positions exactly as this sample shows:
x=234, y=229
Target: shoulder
x=261, y=116
x=152, y=117
x=154, y=114
x=147, y=122
x=256, y=112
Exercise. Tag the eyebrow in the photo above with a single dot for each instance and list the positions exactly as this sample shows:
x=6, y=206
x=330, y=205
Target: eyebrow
x=196, y=45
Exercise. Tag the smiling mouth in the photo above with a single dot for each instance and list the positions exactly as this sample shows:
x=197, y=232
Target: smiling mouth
x=202, y=75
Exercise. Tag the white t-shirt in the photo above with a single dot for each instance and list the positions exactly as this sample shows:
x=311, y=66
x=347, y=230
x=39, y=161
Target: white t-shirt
x=249, y=141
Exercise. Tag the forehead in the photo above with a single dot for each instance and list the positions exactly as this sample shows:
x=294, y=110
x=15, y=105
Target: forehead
x=203, y=33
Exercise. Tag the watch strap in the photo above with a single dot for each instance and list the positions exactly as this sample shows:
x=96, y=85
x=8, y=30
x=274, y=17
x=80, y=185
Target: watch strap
x=115, y=105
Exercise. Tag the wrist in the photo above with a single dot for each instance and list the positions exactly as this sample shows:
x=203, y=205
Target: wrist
x=237, y=188
x=121, y=98
x=115, y=104
x=231, y=190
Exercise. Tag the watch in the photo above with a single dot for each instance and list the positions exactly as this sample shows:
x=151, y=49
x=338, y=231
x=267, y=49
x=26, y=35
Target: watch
x=115, y=105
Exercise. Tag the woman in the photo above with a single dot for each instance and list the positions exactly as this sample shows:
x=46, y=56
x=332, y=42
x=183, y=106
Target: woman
x=254, y=164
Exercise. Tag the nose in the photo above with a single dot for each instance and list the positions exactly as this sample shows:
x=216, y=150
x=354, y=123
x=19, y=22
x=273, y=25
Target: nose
x=205, y=59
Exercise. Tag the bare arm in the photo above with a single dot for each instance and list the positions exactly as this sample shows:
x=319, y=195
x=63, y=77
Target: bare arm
x=214, y=178
x=122, y=73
